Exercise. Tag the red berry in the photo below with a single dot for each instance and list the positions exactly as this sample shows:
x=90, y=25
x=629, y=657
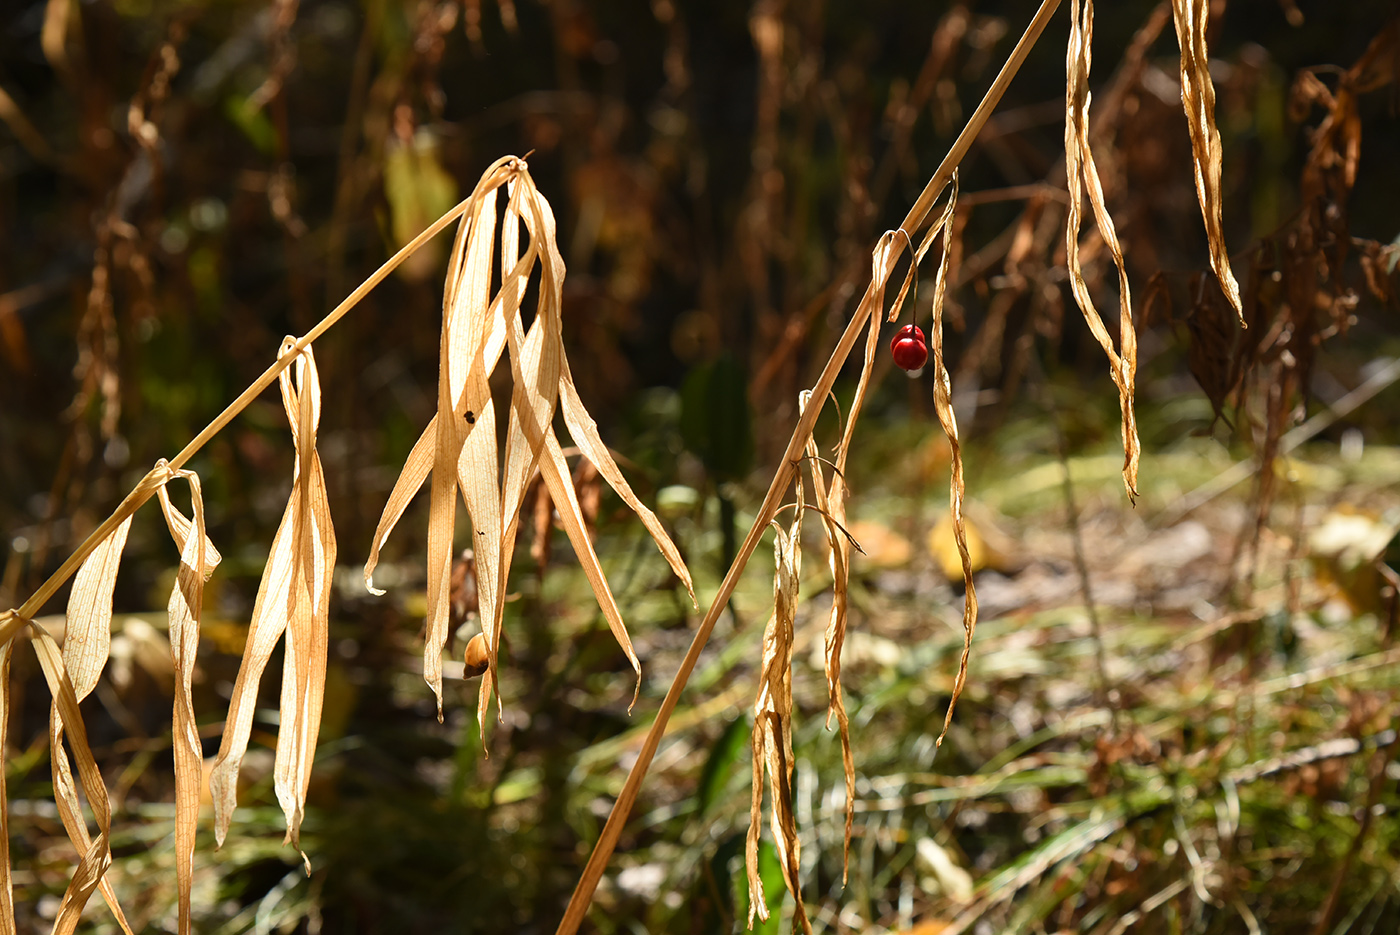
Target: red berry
x=909, y=349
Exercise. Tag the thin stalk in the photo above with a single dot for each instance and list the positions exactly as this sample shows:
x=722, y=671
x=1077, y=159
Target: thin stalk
x=10, y=625
x=1104, y=694
x=913, y=222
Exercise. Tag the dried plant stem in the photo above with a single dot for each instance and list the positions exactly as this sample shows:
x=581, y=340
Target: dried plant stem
x=913, y=221
x=1102, y=692
x=11, y=625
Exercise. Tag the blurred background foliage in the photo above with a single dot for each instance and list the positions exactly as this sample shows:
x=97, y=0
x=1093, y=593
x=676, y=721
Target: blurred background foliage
x=1180, y=718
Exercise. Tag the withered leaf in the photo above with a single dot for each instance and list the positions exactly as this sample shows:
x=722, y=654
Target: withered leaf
x=1082, y=175
x=1198, y=99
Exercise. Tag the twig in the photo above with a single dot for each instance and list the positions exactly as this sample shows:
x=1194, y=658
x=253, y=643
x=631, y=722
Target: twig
x=914, y=221
x=1327, y=750
x=1081, y=564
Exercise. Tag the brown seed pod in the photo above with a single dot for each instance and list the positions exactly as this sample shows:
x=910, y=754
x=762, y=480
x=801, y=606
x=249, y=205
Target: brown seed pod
x=476, y=659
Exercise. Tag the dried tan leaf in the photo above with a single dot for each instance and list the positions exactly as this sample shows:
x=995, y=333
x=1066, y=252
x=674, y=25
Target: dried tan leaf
x=833, y=514
x=415, y=471
x=943, y=404
x=833, y=504
x=561, y=490
x=460, y=448
x=470, y=348
x=1198, y=99
x=86, y=643
x=268, y=623
x=534, y=361
x=307, y=604
x=88, y=634
x=1082, y=174
x=772, y=728
x=96, y=852
x=7, y=900
x=469, y=267
x=186, y=600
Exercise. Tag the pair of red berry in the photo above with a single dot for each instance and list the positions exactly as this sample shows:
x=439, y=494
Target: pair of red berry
x=909, y=349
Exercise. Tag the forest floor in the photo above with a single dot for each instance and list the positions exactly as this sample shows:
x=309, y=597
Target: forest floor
x=1172, y=722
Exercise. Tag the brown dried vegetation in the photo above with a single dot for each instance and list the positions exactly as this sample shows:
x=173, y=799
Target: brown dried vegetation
x=1296, y=297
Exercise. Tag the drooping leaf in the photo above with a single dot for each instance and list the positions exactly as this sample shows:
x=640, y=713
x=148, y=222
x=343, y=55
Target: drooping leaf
x=86, y=644
x=1083, y=176
x=772, y=729
x=833, y=514
x=88, y=633
x=1198, y=99
x=307, y=604
x=184, y=608
x=943, y=405
x=95, y=853
x=584, y=431
x=460, y=448
x=7, y=901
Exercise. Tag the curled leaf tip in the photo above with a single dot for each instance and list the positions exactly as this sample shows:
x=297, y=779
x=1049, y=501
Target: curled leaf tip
x=369, y=585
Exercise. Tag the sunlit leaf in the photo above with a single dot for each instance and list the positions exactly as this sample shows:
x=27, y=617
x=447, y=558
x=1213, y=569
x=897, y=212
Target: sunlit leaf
x=772, y=728
x=88, y=634
x=1083, y=175
x=459, y=448
x=1192, y=17
x=943, y=405
x=7, y=901
x=186, y=602
x=96, y=853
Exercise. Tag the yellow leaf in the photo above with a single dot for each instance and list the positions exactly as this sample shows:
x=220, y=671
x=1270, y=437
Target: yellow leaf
x=883, y=547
